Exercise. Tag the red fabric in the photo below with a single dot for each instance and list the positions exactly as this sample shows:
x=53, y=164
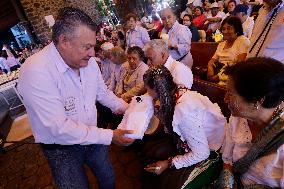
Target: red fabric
x=199, y=21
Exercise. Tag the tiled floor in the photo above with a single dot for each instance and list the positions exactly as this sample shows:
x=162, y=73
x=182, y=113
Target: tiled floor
x=25, y=167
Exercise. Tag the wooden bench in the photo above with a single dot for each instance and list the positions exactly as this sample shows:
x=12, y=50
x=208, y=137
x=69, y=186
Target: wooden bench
x=214, y=92
x=202, y=52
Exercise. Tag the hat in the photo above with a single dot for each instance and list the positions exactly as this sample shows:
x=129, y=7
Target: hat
x=214, y=5
x=189, y=2
x=107, y=46
x=241, y=8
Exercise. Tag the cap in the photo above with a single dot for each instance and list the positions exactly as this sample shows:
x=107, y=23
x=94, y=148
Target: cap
x=214, y=5
x=241, y=8
x=189, y=2
x=107, y=46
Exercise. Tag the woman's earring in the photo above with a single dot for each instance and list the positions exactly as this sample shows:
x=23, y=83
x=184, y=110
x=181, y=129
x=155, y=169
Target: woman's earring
x=256, y=106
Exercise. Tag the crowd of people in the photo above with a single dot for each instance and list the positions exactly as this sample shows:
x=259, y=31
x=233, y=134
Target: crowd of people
x=87, y=72
x=12, y=59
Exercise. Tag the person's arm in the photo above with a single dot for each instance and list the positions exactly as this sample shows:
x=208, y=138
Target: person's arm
x=215, y=19
x=190, y=124
x=211, y=75
x=108, y=98
x=249, y=32
x=145, y=36
x=42, y=97
x=184, y=41
x=243, y=48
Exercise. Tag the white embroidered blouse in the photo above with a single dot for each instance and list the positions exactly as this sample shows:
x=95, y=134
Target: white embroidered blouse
x=200, y=123
x=267, y=170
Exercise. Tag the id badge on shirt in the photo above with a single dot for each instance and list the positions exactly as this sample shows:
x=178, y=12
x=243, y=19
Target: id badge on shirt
x=69, y=106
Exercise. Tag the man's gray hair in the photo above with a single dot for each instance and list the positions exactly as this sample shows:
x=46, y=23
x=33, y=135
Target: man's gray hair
x=157, y=44
x=67, y=21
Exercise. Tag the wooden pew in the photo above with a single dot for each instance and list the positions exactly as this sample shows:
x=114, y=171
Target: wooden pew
x=202, y=52
x=214, y=92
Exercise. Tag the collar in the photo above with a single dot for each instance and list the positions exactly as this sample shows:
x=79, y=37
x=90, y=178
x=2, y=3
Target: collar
x=135, y=29
x=174, y=26
x=57, y=58
x=169, y=62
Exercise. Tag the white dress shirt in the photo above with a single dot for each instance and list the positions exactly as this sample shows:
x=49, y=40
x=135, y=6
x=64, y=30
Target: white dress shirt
x=61, y=105
x=182, y=75
x=200, y=123
x=267, y=170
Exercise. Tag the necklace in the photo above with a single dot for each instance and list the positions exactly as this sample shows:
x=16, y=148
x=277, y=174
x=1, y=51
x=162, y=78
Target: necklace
x=277, y=112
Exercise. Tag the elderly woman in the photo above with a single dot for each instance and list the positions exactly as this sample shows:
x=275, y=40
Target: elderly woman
x=119, y=60
x=178, y=37
x=233, y=49
x=253, y=146
x=131, y=83
x=192, y=122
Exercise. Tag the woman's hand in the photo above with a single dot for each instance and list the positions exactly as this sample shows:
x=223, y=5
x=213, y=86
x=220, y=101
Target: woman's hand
x=158, y=167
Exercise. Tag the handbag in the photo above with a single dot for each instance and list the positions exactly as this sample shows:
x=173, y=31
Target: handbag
x=204, y=173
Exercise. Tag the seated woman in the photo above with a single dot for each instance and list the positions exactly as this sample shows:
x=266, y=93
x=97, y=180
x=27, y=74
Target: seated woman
x=199, y=18
x=233, y=49
x=131, y=83
x=11, y=61
x=193, y=123
x=187, y=21
x=106, y=64
x=253, y=146
x=119, y=60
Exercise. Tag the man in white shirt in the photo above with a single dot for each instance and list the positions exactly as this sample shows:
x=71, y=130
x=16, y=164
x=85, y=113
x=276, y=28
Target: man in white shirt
x=268, y=33
x=158, y=54
x=60, y=86
x=247, y=22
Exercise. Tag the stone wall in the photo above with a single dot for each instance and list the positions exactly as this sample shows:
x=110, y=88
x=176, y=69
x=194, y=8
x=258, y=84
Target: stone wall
x=36, y=10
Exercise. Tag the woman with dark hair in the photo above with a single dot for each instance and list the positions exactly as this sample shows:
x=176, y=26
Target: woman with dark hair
x=199, y=18
x=253, y=146
x=192, y=122
x=232, y=50
x=131, y=83
x=187, y=21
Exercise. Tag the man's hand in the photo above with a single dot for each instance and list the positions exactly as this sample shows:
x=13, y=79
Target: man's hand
x=119, y=138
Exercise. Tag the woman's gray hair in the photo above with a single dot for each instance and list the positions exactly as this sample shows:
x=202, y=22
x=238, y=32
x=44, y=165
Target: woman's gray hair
x=157, y=44
x=68, y=20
